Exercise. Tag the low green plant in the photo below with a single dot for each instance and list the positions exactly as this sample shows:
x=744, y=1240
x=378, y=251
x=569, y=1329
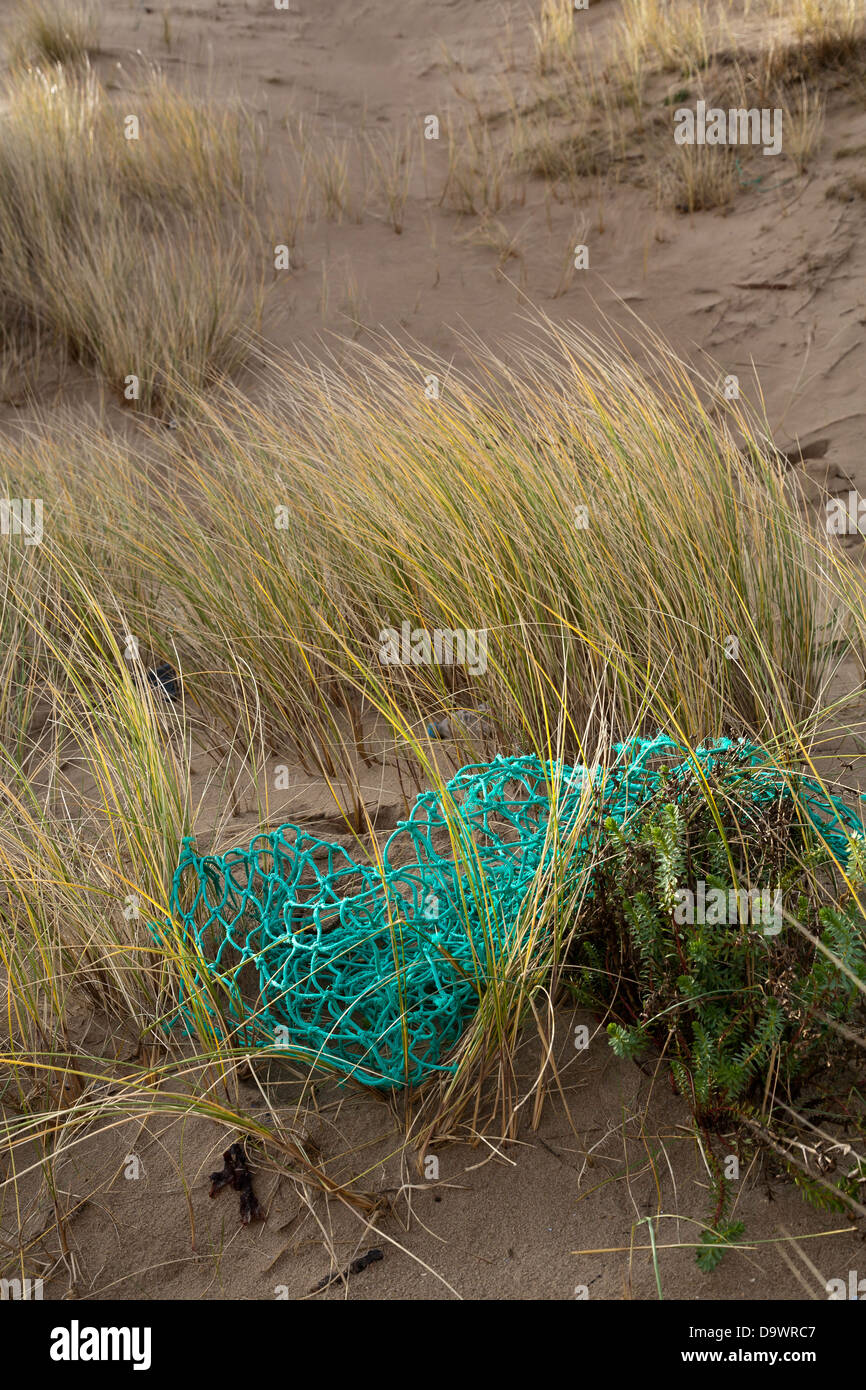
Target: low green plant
x=743, y=1002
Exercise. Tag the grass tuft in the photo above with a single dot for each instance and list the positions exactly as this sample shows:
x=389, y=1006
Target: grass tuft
x=49, y=32
x=90, y=220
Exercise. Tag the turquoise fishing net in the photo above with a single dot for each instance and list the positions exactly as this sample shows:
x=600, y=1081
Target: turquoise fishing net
x=374, y=970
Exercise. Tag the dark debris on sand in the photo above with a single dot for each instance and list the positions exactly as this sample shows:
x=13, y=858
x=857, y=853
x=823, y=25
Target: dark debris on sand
x=236, y=1174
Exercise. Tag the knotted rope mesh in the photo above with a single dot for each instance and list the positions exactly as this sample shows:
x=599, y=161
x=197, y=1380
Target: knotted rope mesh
x=376, y=969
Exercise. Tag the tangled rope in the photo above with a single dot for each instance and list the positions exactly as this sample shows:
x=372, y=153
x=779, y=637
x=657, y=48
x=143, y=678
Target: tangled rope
x=375, y=970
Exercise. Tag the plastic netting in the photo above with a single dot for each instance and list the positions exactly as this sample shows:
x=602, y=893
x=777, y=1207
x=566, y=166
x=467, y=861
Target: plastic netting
x=375, y=969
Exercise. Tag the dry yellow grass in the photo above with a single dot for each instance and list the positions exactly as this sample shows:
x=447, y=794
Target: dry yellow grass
x=52, y=31
x=803, y=125
x=90, y=220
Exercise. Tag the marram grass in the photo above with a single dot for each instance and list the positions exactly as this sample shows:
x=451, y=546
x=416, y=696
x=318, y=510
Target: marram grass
x=159, y=224
x=610, y=526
